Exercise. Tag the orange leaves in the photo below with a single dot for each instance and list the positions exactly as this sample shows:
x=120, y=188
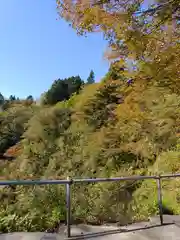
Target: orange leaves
x=13, y=151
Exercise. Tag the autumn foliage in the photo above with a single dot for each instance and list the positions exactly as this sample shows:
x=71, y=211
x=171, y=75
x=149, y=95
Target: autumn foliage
x=13, y=151
x=126, y=124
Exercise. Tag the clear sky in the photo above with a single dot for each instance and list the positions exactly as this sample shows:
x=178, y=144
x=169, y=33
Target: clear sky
x=36, y=49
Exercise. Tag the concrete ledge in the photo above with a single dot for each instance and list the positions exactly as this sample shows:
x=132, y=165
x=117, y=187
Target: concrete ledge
x=138, y=231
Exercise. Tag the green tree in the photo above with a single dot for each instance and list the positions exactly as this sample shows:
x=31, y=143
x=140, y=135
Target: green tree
x=30, y=98
x=91, y=78
x=12, y=98
x=74, y=84
x=62, y=89
x=57, y=92
x=1, y=99
x=12, y=126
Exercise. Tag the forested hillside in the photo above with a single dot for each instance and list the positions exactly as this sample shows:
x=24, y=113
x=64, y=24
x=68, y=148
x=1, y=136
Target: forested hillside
x=126, y=124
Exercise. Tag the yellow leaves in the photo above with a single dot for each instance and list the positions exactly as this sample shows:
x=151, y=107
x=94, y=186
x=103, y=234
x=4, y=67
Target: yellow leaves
x=129, y=112
x=143, y=41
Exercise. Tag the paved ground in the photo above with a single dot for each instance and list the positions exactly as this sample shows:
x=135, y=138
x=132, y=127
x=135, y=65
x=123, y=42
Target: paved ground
x=139, y=231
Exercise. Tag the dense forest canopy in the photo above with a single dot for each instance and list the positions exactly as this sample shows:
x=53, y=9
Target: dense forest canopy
x=126, y=124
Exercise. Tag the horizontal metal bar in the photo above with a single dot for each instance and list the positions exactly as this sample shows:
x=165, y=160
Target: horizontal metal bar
x=84, y=180
x=33, y=182
x=89, y=180
x=170, y=175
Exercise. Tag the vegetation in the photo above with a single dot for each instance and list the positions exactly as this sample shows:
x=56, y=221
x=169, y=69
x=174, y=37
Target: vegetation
x=127, y=124
x=62, y=89
x=91, y=78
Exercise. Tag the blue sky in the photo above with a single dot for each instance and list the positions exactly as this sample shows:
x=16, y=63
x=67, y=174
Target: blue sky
x=36, y=49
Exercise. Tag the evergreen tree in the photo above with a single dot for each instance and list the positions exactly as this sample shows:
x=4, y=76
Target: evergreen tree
x=91, y=78
x=30, y=98
x=62, y=89
x=12, y=98
x=1, y=99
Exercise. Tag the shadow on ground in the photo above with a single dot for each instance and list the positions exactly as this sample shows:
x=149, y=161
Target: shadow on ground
x=116, y=231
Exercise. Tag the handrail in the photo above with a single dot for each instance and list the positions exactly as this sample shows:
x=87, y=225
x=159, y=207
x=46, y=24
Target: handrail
x=84, y=180
x=33, y=182
x=68, y=182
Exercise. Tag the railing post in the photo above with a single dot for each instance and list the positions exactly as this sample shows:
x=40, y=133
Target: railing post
x=158, y=180
x=68, y=207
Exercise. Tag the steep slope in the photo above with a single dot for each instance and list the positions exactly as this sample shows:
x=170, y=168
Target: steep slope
x=110, y=129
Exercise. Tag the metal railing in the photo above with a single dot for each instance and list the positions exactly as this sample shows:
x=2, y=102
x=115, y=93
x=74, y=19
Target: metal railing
x=68, y=182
